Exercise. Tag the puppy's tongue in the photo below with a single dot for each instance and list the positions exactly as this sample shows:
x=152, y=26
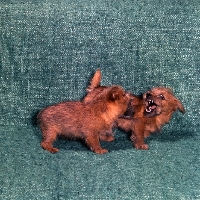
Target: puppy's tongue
x=153, y=107
x=150, y=108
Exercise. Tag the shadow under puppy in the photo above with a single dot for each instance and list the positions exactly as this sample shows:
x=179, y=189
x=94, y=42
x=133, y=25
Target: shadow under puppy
x=79, y=120
x=145, y=115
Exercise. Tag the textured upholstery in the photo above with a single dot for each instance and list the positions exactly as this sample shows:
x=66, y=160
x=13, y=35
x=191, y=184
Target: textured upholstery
x=49, y=51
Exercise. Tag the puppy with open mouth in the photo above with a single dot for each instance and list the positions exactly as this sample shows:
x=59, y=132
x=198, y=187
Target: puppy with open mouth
x=144, y=115
x=148, y=114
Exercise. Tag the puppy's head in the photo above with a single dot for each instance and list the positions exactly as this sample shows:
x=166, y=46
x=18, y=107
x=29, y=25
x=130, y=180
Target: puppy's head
x=118, y=98
x=159, y=100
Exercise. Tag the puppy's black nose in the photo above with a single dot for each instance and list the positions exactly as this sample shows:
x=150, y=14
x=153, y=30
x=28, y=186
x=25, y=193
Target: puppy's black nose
x=148, y=95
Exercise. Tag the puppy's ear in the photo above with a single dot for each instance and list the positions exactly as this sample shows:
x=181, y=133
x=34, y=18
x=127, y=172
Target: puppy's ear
x=114, y=94
x=95, y=82
x=179, y=105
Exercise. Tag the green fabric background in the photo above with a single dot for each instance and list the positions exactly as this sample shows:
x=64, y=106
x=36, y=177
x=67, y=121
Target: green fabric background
x=50, y=49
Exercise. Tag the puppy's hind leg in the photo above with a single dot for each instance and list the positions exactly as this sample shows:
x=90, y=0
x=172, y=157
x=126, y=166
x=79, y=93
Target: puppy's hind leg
x=94, y=144
x=47, y=142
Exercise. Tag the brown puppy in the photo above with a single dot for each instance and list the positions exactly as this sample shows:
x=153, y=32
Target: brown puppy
x=150, y=113
x=79, y=120
x=144, y=115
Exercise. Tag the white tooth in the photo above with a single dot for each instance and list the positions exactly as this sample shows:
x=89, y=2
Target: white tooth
x=148, y=110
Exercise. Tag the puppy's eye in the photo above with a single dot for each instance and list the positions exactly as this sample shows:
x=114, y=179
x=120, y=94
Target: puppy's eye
x=162, y=97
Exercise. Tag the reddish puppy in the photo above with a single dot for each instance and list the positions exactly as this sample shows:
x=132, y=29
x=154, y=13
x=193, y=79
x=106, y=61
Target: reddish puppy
x=89, y=121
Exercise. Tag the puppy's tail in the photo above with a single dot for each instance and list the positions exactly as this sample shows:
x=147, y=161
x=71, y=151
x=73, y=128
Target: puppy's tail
x=95, y=82
x=179, y=105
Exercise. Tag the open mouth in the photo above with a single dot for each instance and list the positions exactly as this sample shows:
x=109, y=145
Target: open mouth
x=151, y=106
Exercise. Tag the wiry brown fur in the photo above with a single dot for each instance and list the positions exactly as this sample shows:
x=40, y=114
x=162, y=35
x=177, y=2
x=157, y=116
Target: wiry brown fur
x=140, y=124
x=79, y=120
x=141, y=119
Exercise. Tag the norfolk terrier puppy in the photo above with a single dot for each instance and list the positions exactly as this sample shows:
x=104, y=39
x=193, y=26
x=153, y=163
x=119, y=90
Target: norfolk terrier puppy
x=148, y=114
x=89, y=121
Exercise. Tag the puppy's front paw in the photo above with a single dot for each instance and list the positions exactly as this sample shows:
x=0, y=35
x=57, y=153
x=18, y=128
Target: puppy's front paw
x=49, y=147
x=101, y=151
x=142, y=146
x=53, y=150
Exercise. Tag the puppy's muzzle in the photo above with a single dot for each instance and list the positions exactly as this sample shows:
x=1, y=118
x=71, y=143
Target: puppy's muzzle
x=151, y=106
